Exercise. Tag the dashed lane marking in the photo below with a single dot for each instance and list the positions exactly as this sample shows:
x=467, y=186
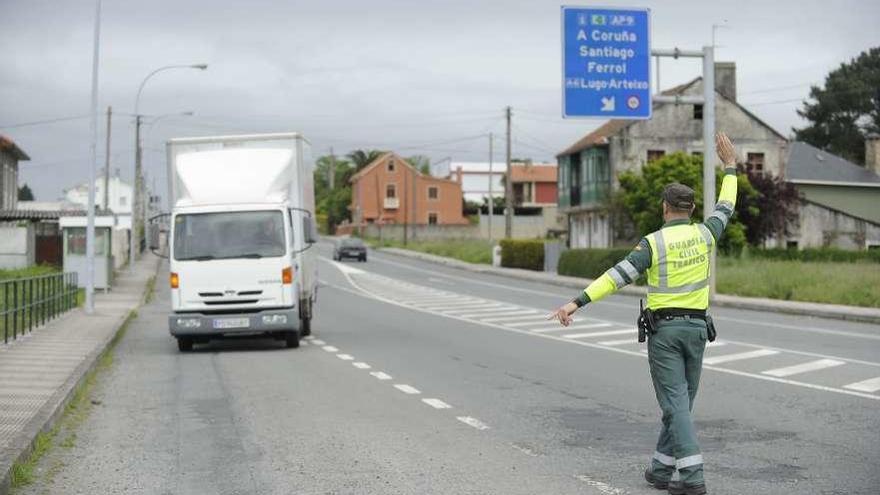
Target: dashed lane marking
x=474, y=422
x=380, y=375
x=872, y=385
x=437, y=403
x=619, y=342
x=407, y=389
x=318, y=342
x=361, y=365
x=819, y=364
x=597, y=334
x=525, y=449
x=603, y=487
x=726, y=358
x=345, y=357
x=330, y=348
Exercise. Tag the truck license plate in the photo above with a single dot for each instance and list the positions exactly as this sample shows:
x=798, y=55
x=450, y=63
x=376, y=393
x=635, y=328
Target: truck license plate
x=232, y=323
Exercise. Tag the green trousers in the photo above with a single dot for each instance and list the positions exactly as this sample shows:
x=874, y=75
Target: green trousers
x=675, y=355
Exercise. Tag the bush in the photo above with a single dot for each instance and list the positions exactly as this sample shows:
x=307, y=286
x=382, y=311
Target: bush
x=589, y=263
x=816, y=254
x=528, y=254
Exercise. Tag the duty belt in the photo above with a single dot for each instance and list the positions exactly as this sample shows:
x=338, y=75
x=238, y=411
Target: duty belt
x=670, y=313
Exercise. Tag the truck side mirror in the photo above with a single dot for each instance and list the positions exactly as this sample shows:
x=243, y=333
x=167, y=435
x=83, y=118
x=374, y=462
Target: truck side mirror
x=157, y=232
x=309, y=231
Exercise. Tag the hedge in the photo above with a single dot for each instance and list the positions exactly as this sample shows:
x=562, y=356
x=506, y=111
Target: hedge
x=528, y=254
x=589, y=263
x=816, y=254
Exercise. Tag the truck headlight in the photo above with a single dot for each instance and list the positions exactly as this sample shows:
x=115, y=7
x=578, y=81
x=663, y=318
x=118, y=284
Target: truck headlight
x=189, y=322
x=274, y=319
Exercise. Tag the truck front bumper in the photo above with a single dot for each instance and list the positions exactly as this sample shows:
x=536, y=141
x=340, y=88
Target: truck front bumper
x=199, y=324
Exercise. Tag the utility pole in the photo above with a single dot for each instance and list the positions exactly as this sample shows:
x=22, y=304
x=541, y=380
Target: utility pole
x=93, y=163
x=508, y=189
x=136, y=194
x=491, y=178
x=331, y=173
x=107, y=163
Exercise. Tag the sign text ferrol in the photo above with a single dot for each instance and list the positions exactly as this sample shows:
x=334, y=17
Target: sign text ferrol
x=606, y=62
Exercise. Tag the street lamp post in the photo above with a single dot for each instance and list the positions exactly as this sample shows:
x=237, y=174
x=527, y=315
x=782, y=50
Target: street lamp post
x=138, y=180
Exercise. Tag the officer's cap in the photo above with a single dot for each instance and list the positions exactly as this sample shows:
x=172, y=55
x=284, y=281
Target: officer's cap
x=679, y=196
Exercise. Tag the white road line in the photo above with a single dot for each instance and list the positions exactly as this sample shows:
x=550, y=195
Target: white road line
x=619, y=342
x=407, y=389
x=476, y=423
x=303, y=342
x=526, y=320
x=597, y=334
x=717, y=343
x=869, y=386
x=726, y=358
x=318, y=342
x=447, y=302
x=556, y=327
x=603, y=487
x=330, y=348
x=819, y=364
x=437, y=403
x=463, y=306
x=310, y=337
x=360, y=291
x=501, y=310
x=345, y=357
x=579, y=325
x=514, y=315
x=380, y=375
x=361, y=365
x=485, y=307
x=525, y=450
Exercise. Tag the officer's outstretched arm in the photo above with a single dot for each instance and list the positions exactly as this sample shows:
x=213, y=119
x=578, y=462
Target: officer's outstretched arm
x=717, y=222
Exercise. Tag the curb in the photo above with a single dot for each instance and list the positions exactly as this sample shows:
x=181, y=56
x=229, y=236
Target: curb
x=818, y=310
x=46, y=418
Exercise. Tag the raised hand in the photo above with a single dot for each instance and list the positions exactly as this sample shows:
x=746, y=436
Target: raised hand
x=724, y=148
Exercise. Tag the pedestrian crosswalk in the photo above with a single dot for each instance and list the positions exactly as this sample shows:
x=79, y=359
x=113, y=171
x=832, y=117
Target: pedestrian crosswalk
x=781, y=365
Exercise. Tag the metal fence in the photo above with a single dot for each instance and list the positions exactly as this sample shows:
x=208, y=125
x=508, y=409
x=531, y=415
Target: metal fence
x=26, y=303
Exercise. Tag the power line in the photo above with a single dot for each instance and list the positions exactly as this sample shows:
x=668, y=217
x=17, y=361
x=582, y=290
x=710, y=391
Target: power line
x=41, y=122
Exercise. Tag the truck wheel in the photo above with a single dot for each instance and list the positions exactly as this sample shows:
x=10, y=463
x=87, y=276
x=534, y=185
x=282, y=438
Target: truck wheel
x=364, y=258
x=291, y=340
x=184, y=344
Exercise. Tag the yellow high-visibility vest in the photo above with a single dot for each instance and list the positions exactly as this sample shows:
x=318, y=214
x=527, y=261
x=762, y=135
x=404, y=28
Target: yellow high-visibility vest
x=679, y=273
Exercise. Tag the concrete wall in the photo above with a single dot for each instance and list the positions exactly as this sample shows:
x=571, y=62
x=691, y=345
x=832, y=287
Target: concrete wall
x=17, y=246
x=523, y=228
x=821, y=227
x=422, y=232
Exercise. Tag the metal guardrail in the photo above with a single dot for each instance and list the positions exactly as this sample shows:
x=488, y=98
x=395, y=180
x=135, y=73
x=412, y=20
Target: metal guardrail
x=26, y=303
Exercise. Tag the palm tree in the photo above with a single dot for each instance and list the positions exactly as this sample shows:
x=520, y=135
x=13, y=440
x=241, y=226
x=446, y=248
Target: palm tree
x=362, y=158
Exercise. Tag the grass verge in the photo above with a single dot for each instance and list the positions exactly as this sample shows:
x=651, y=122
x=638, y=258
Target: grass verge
x=470, y=250
x=854, y=284
x=75, y=412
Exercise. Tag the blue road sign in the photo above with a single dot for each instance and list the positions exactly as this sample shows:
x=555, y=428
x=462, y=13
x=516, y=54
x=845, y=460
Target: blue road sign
x=606, y=62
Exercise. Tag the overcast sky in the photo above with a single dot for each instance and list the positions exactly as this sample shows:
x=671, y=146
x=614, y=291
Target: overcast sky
x=416, y=77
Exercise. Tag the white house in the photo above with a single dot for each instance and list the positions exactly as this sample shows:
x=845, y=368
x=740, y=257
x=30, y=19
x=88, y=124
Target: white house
x=119, y=199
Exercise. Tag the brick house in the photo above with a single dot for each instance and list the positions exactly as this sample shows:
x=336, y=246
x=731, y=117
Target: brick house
x=391, y=191
x=534, y=184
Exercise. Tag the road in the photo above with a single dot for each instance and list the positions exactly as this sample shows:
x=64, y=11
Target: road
x=427, y=379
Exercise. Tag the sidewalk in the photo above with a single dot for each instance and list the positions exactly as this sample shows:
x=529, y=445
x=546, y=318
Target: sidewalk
x=40, y=371
x=835, y=311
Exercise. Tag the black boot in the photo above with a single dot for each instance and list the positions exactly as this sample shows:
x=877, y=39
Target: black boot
x=679, y=488
x=652, y=480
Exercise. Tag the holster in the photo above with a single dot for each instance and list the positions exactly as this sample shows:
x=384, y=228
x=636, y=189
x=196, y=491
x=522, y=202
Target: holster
x=645, y=323
x=710, y=328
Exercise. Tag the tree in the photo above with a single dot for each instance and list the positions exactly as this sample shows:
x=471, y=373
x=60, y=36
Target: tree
x=421, y=163
x=773, y=210
x=25, y=193
x=362, y=158
x=641, y=192
x=846, y=110
x=333, y=202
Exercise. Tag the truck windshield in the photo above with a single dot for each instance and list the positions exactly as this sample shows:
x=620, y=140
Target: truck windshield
x=225, y=235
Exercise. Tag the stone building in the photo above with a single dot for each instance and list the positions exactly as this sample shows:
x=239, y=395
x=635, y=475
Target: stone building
x=589, y=168
x=840, y=201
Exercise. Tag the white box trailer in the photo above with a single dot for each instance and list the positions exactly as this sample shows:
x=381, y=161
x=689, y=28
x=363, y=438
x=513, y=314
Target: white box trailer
x=241, y=228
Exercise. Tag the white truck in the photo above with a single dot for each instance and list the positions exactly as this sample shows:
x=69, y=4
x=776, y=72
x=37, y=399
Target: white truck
x=241, y=229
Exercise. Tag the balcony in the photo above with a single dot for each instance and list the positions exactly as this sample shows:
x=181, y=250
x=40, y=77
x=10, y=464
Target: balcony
x=392, y=203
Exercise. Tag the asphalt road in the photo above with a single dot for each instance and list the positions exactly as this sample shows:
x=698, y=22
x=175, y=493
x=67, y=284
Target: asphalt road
x=427, y=379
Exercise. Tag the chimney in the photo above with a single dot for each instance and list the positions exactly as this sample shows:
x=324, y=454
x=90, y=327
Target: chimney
x=725, y=79
x=872, y=153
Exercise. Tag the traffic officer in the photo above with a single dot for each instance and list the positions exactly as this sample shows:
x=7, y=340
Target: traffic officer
x=676, y=260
